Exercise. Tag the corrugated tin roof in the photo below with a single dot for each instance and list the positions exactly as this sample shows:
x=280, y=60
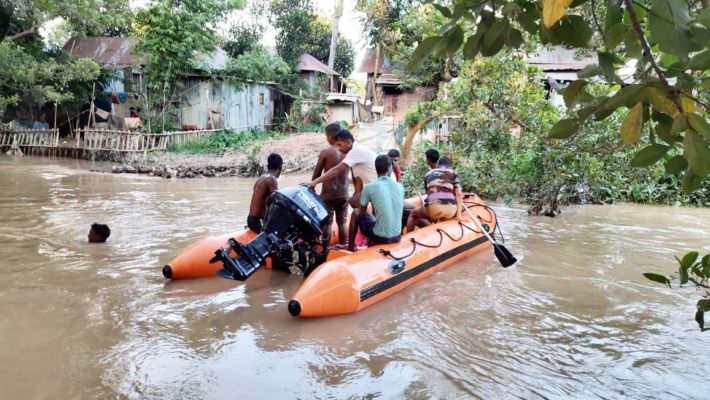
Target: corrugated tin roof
x=107, y=51
x=341, y=97
x=388, y=79
x=559, y=58
x=309, y=63
x=368, y=63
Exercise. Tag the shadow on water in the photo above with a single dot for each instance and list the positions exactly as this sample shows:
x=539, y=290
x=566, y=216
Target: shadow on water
x=574, y=318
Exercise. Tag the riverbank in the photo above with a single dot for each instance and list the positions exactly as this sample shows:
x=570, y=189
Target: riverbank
x=299, y=152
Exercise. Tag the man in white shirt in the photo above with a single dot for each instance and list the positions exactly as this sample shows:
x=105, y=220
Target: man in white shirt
x=359, y=159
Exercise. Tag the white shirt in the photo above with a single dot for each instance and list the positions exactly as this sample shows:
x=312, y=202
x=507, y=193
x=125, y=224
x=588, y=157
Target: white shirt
x=362, y=161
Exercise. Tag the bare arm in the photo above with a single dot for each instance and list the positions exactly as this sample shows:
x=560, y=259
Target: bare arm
x=332, y=173
x=362, y=210
x=459, y=202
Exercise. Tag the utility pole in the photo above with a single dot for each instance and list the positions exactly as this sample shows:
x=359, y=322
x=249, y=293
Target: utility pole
x=337, y=13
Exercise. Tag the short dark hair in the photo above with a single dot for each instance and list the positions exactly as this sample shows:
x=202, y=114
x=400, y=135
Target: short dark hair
x=444, y=162
x=382, y=164
x=432, y=155
x=274, y=161
x=393, y=153
x=344, y=134
x=101, y=230
x=332, y=129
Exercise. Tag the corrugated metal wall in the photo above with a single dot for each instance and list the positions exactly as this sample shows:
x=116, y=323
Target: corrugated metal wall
x=238, y=108
x=250, y=105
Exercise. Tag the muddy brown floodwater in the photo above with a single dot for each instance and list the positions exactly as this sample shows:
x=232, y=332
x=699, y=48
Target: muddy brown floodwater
x=573, y=319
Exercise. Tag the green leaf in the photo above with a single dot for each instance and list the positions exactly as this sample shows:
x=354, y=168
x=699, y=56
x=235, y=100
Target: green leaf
x=705, y=262
x=571, y=93
x=614, y=15
x=700, y=319
x=564, y=128
x=454, y=40
x=572, y=30
x=704, y=305
x=668, y=23
x=424, y=50
x=683, y=275
x=494, y=38
x=700, y=61
x=658, y=278
x=699, y=124
x=515, y=38
x=688, y=259
x=676, y=165
x=690, y=182
x=606, y=63
x=696, y=151
x=590, y=71
x=659, y=101
x=443, y=10
x=615, y=35
x=680, y=124
x=472, y=46
x=628, y=96
x=704, y=17
x=585, y=112
x=649, y=155
x=631, y=128
x=528, y=19
x=633, y=47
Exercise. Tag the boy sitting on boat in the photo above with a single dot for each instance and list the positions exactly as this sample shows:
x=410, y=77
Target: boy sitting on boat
x=387, y=199
x=444, y=197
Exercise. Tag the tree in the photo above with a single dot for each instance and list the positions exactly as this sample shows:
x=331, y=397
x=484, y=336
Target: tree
x=257, y=65
x=247, y=32
x=666, y=43
x=46, y=75
x=171, y=33
x=300, y=31
x=672, y=114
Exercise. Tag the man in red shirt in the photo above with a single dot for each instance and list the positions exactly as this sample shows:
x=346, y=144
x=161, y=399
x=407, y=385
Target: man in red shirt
x=393, y=154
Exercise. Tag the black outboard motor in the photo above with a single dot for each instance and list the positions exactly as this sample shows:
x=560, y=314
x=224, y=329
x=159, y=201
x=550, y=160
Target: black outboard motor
x=293, y=228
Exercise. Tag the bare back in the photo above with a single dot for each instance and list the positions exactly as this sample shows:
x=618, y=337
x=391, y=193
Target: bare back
x=337, y=187
x=263, y=188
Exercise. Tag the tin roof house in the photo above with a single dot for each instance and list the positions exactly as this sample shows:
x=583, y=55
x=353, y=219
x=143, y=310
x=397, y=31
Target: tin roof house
x=208, y=101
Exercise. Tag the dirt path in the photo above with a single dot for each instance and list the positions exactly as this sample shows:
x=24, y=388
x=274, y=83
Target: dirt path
x=299, y=152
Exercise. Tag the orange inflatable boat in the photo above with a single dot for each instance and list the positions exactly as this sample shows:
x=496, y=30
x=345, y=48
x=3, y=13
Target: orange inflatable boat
x=337, y=281
x=352, y=281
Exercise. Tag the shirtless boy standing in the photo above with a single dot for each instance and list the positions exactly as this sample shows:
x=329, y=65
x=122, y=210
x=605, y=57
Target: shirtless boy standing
x=335, y=191
x=263, y=188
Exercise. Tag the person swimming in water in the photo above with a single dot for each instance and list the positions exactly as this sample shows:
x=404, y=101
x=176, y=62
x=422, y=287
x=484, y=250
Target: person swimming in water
x=99, y=233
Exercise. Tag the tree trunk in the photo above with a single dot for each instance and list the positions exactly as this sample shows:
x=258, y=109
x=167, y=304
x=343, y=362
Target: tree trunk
x=30, y=32
x=338, y=12
x=447, y=69
x=409, y=139
x=374, y=78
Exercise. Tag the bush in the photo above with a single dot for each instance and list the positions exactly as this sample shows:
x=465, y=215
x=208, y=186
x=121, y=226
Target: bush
x=219, y=142
x=493, y=96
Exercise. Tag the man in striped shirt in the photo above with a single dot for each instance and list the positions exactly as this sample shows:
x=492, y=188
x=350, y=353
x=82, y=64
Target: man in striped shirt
x=444, y=197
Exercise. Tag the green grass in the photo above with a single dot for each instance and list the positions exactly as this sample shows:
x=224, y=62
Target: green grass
x=219, y=142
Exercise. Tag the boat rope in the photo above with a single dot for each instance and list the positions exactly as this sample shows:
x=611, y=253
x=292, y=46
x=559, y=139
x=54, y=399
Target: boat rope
x=415, y=242
x=441, y=232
